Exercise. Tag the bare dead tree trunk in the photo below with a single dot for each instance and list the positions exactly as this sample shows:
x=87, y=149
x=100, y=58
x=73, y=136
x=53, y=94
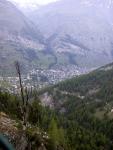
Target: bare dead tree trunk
x=26, y=105
x=17, y=65
x=25, y=100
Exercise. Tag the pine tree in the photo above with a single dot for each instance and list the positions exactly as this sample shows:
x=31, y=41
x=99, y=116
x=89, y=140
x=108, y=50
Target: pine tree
x=53, y=133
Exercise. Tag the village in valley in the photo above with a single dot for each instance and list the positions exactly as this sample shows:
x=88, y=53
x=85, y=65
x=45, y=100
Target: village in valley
x=41, y=78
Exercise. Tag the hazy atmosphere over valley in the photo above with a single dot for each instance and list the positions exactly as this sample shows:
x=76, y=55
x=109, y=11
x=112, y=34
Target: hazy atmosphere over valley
x=56, y=74
x=65, y=32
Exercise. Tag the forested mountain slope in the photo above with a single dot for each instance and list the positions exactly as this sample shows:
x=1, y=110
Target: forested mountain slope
x=76, y=114
x=92, y=88
x=41, y=131
x=86, y=104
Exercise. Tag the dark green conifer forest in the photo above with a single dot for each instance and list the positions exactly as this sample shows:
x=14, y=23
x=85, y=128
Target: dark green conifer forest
x=87, y=120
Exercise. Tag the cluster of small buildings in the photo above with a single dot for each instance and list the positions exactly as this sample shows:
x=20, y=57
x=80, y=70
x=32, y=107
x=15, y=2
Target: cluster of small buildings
x=43, y=77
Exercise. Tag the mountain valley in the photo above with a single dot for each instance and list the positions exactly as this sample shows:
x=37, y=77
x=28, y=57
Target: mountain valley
x=56, y=75
x=61, y=33
x=80, y=110
x=78, y=29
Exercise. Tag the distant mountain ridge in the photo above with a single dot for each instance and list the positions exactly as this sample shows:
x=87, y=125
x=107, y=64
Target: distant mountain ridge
x=19, y=38
x=77, y=32
x=68, y=22
x=27, y=8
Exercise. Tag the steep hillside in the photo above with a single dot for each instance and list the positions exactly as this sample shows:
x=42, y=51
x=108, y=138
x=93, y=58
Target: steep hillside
x=86, y=105
x=79, y=116
x=19, y=38
x=41, y=132
x=78, y=29
x=93, y=88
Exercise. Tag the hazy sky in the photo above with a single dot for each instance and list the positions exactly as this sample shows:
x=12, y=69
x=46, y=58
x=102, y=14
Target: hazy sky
x=41, y=2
